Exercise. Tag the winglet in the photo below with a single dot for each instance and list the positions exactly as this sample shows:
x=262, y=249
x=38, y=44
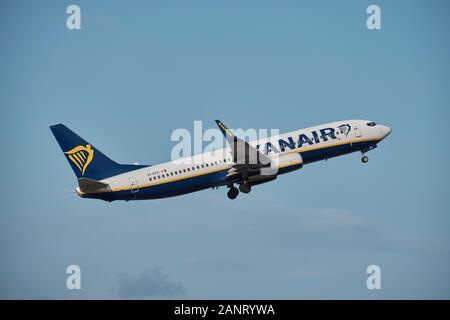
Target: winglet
x=226, y=132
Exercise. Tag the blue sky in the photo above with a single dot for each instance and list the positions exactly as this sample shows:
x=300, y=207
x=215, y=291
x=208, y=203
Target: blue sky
x=137, y=71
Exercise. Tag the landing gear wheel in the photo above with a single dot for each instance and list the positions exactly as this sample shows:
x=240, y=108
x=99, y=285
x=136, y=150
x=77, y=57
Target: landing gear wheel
x=365, y=159
x=245, y=188
x=233, y=193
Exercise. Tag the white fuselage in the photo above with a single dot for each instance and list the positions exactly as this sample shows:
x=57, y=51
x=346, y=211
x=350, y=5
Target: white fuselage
x=210, y=169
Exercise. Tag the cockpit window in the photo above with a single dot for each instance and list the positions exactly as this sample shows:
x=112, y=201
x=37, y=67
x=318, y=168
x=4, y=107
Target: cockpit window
x=371, y=124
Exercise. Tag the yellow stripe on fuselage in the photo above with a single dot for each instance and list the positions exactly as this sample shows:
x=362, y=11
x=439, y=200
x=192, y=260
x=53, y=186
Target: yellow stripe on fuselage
x=299, y=150
x=180, y=178
x=161, y=182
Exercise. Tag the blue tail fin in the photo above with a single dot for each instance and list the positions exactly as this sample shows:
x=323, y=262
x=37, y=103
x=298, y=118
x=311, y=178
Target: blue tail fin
x=86, y=160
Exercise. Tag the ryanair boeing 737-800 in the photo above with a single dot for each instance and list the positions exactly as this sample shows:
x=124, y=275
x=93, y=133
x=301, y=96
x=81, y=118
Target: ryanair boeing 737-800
x=243, y=163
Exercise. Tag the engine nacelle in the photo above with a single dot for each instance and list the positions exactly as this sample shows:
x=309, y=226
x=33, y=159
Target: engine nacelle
x=281, y=164
x=286, y=162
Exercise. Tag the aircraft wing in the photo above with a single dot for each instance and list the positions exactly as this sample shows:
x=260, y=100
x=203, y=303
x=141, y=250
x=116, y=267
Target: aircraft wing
x=246, y=157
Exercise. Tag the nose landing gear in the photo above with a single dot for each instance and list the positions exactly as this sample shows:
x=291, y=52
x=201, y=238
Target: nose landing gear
x=364, y=158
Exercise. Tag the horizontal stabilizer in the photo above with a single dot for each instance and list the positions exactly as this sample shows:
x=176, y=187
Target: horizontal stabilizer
x=89, y=185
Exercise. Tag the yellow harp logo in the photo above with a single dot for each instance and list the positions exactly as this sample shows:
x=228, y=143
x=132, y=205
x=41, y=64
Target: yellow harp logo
x=81, y=156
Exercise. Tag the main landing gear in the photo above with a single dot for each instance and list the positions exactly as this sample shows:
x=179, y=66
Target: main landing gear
x=233, y=192
x=244, y=187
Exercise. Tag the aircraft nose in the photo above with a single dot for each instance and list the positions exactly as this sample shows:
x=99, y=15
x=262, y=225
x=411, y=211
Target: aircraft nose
x=386, y=131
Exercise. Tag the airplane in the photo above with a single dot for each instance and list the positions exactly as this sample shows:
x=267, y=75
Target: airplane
x=242, y=163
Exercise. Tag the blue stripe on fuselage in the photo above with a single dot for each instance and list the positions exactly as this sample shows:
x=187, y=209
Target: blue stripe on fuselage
x=200, y=182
